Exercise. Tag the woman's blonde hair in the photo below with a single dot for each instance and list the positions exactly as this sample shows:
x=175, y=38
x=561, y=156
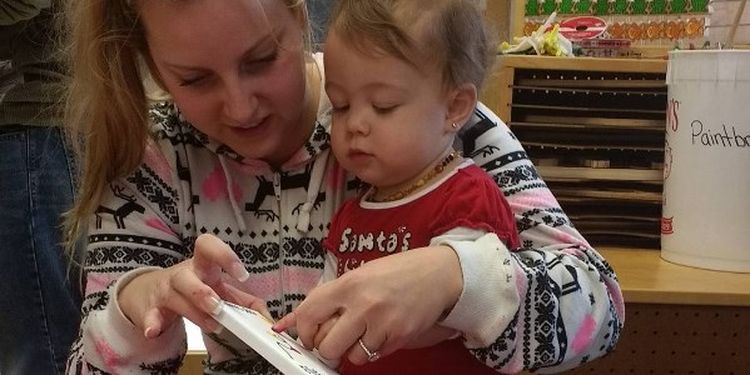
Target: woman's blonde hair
x=449, y=33
x=106, y=109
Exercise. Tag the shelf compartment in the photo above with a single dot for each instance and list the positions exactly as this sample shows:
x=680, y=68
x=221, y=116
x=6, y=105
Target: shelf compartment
x=595, y=130
x=612, y=174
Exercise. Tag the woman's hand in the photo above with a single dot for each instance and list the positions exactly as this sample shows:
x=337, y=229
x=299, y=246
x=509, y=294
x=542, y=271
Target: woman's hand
x=433, y=336
x=192, y=289
x=388, y=303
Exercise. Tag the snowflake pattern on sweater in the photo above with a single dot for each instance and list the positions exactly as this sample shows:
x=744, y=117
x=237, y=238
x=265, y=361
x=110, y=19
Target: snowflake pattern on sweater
x=275, y=221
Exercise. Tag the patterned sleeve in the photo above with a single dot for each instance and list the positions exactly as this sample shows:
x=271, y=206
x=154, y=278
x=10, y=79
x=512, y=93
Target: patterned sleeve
x=570, y=308
x=134, y=229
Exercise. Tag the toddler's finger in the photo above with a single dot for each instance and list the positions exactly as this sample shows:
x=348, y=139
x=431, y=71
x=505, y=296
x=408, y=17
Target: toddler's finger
x=288, y=321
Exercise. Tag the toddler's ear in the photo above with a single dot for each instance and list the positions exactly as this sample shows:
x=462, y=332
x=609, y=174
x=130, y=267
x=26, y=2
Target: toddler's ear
x=461, y=103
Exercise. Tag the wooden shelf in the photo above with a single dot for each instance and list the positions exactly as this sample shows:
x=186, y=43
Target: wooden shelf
x=595, y=127
x=615, y=174
x=585, y=63
x=646, y=278
x=498, y=91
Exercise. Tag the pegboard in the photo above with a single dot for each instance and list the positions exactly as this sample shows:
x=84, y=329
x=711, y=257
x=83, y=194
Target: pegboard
x=679, y=339
x=659, y=339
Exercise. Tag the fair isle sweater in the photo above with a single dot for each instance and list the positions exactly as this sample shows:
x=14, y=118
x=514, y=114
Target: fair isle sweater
x=550, y=305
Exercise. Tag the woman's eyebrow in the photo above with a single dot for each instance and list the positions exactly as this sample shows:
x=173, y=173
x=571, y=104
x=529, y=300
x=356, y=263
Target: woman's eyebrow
x=255, y=49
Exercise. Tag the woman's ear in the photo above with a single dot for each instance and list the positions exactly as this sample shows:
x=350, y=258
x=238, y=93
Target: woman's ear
x=461, y=103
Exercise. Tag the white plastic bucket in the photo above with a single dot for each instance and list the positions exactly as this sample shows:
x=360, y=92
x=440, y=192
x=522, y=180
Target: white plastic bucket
x=706, y=211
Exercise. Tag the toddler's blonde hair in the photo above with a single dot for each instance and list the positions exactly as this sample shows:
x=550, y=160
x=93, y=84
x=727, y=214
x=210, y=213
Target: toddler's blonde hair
x=451, y=34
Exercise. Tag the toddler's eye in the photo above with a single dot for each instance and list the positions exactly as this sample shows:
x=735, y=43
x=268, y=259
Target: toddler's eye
x=384, y=109
x=340, y=108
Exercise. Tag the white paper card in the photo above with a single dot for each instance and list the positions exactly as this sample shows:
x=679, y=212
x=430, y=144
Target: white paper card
x=282, y=351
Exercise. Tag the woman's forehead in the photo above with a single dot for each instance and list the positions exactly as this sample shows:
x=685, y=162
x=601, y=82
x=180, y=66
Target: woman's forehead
x=200, y=15
x=180, y=30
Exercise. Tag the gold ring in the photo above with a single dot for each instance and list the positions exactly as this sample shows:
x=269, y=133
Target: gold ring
x=372, y=356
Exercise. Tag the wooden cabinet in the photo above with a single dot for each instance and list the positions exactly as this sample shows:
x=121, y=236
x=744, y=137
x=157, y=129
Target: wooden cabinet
x=595, y=130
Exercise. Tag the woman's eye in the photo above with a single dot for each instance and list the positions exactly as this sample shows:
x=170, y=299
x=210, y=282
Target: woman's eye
x=193, y=81
x=268, y=58
x=257, y=64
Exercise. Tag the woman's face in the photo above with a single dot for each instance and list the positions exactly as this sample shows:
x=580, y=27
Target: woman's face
x=235, y=69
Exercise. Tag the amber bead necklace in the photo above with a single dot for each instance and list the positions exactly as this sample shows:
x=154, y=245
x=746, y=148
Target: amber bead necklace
x=422, y=181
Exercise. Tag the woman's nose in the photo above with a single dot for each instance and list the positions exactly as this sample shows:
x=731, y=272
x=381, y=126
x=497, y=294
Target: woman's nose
x=240, y=104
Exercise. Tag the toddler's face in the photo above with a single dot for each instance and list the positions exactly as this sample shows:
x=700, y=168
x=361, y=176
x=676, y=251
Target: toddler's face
x=389, y=118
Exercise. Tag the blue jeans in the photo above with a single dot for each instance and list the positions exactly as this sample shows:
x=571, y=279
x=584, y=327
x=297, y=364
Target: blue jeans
x=39, y=301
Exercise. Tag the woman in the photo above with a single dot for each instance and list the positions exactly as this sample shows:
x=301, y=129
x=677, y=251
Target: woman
x=233, y=191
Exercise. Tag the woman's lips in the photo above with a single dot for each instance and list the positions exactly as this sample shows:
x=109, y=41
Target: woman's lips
x=256, y=129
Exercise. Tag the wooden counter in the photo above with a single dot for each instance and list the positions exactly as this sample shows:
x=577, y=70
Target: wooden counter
x=646, y=278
